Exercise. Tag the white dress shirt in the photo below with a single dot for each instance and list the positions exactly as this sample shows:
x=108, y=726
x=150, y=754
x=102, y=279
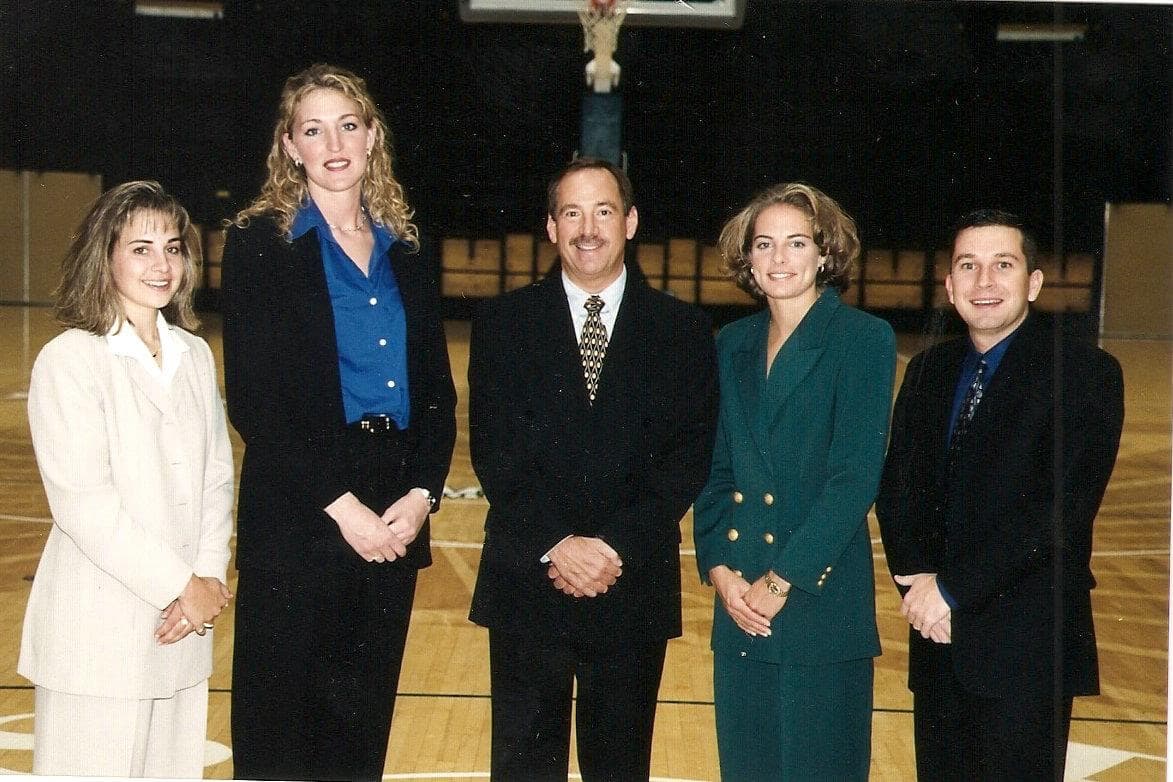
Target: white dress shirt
x=124, y=340
x=611, y=295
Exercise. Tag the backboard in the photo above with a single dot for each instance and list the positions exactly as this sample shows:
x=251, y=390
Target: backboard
x=725, y=14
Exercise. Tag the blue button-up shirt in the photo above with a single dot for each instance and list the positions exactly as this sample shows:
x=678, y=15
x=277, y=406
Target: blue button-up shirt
x=370, y=325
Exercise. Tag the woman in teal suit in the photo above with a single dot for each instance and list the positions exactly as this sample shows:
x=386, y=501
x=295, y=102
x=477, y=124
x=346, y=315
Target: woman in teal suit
x=781, y=527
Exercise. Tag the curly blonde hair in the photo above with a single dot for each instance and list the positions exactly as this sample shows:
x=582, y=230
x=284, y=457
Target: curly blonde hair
x=86, y=298
x=832, y=229
x=285, y=188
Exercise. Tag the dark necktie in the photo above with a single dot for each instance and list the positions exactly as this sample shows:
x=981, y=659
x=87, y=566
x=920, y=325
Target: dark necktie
x=593, y=345
x=973, y=396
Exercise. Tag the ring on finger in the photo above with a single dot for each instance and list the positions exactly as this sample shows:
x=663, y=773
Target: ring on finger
x=208, y=625
x=183, y=621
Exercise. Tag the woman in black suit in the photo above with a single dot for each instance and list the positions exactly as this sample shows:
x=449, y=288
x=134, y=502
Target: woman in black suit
x=337, y=380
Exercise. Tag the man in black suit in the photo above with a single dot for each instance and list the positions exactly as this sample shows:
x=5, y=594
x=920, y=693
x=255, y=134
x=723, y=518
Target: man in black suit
x=1002, y=446
x=591, y=417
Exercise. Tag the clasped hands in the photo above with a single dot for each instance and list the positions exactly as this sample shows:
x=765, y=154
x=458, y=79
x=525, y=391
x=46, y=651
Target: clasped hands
x=378, y=538
x=751, y=606
x=584, y=567
x=925, y=608
x=200, y=602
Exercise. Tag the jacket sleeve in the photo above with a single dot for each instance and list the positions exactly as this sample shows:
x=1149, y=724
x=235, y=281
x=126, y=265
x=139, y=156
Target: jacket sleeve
x=712, y=508
x=1092, y=439
x=897, y=508
x=73, y=450
x=216, y=523
x=862, y=399
x=434, y=413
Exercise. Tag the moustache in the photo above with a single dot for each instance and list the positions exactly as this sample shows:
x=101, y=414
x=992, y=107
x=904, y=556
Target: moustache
x=592, y=239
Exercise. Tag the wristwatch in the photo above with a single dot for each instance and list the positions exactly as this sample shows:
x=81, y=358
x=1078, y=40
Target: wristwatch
x=427, y=496
x=775, y=588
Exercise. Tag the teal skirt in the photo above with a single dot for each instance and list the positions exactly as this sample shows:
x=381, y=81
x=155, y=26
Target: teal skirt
x=793, y=722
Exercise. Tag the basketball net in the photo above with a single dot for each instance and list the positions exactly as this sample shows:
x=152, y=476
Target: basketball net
x=600, y=29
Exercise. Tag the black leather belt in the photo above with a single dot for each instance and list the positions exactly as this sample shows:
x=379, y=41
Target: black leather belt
x=375, y=423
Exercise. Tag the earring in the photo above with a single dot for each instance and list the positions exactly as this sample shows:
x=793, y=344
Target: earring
x=820, y=268
x=297, y=163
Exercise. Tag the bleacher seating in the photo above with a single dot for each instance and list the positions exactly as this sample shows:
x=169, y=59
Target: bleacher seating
x=885, y=279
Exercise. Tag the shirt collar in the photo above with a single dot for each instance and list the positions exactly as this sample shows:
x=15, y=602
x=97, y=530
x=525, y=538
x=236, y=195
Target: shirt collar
x=309, y=216
x=611, y=295
x=125, y=341
x=993, y=356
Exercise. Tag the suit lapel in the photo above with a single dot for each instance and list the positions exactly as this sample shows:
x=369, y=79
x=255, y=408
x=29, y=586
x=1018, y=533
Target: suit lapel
x=146, y=383
x=408, y=280
x=1016, y=380
x=557, y=347
x=623, y=346
x=796, y=358
x=747, y=370
x=939, y=387
x=313, y=305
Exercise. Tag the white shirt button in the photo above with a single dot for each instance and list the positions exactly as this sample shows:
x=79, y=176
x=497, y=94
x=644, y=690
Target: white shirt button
x=374, y=301
x=390, y=384
x=382, y=343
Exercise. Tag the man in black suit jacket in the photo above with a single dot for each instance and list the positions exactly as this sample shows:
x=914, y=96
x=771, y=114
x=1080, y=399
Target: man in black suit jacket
x=986, y=507
x=580, y=573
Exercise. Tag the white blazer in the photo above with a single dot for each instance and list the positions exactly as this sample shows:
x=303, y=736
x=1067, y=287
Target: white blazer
x=139, y=481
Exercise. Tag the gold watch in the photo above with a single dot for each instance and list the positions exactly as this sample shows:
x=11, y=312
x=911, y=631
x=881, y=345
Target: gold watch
x=775, y=588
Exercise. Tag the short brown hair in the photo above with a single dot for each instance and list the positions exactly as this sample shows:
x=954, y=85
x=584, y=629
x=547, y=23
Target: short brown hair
x=86, y=298
x=626, y=192
x=832, y=229
x=981, y=218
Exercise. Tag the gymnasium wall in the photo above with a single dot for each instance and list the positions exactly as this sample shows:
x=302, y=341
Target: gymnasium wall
x=39, y=211
x=1138, y=272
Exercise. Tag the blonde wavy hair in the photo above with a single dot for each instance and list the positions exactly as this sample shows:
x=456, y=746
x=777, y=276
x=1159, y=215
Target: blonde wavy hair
x=86, y=298
x=832, y=229
x=285, y=188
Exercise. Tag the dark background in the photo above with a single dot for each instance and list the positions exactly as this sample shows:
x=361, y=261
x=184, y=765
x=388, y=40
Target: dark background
x=907, y=113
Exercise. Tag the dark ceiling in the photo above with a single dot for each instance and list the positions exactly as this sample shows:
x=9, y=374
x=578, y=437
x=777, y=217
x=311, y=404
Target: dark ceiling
x=908, y=113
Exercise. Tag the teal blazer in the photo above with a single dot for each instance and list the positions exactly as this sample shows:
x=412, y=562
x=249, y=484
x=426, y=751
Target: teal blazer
x=796, y=466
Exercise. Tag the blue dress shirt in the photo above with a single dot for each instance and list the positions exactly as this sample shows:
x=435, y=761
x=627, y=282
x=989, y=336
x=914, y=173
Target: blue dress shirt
x=370, y=325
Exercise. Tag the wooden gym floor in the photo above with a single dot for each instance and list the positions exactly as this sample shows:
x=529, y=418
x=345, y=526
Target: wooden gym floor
x=441, y=728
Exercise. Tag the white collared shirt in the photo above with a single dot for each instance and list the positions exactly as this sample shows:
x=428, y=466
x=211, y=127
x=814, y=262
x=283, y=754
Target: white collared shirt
x=611, y=295
x=125, y=341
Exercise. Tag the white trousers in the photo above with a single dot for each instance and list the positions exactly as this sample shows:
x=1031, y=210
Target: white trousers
x=78, y=735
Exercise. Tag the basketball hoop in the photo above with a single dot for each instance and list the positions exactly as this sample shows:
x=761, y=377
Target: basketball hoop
x=600, y=29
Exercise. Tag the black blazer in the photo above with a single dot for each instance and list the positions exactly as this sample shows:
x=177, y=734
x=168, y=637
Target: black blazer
x=992, y=539
x=285, y=396
x=625, y=469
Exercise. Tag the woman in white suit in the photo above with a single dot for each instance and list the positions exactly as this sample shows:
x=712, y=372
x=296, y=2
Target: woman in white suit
x=130, y=438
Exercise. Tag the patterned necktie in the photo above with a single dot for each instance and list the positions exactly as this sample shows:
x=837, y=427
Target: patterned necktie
x=973, y=396
x=593, y=345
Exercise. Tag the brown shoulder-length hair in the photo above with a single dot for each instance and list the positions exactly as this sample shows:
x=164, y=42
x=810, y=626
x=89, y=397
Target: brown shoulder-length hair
x=285, y=188
x=86, y=298
x=833, y=231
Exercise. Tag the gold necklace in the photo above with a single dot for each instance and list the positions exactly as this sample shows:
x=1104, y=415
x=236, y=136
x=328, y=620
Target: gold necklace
x=154, y=353
x=362, y=224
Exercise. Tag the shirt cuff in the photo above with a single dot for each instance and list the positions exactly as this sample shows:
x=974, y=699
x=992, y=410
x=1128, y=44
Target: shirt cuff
x=948, y=598
x=545, y=560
